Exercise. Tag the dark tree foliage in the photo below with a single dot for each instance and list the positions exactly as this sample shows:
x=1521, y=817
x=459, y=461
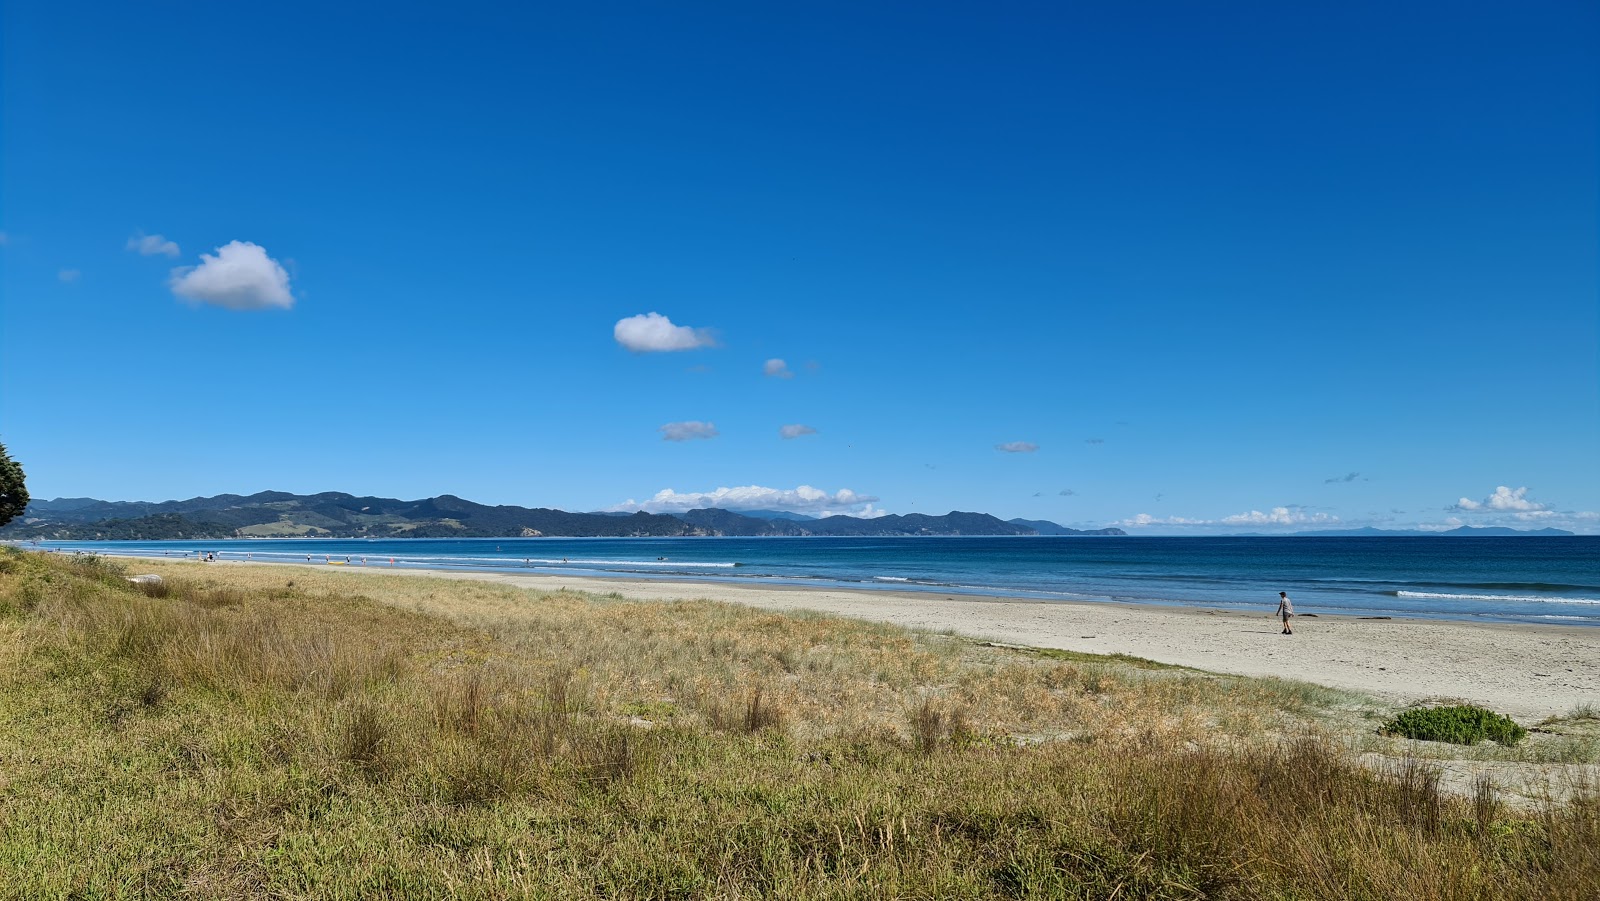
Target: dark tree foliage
x=13, y=488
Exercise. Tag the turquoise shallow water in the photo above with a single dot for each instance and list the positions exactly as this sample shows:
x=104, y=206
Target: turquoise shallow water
x=1532, y=580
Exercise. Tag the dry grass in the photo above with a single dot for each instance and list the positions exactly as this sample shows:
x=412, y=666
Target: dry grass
x=266, y=732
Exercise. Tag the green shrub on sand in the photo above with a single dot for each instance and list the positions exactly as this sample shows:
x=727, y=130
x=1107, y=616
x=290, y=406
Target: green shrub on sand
x=1462, y=724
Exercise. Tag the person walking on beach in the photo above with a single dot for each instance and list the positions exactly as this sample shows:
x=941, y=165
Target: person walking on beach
x=1285, y=610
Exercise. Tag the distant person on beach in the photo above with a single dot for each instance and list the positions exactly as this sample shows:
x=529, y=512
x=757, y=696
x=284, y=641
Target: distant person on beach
x=1285, y=610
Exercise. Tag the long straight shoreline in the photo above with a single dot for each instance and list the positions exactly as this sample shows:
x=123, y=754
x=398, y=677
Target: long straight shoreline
x=1528, y=671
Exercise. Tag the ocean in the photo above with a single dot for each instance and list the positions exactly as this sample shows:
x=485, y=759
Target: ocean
x=1526, y=580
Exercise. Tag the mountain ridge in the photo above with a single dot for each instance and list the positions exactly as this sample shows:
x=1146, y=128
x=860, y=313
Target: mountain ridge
x=336, y=514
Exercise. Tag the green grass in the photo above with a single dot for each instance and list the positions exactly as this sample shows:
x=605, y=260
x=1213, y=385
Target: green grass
x=260, y=732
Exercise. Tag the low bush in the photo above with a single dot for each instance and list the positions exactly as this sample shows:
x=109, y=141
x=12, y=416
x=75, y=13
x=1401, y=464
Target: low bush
x=1462, y=724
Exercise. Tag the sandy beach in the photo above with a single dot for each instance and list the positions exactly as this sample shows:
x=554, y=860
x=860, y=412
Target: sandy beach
x=1529, y=672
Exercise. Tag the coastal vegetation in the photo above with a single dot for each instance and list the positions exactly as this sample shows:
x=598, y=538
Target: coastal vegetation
x=1461, y=724
x=235, y=731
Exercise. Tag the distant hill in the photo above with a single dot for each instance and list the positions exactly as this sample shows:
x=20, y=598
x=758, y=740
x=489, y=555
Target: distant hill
x=278, y=514
x=726, y=522
x=952, y=523
x=1046, y=527
x=1460, y=532
x=779, y=514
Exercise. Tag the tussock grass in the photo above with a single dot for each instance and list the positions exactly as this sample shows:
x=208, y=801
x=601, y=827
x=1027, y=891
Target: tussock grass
x=352, y=735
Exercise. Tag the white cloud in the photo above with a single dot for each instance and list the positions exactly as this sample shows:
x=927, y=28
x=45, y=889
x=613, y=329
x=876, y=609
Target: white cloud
x=69, y=275
x=795, y=431
x=777, y=369
x=804, y=499
x=1512, y=508
x=153, y=245
x=1277, y=516
x=687, y=431
x=239, y=277
x=1017, y=447
x=653, y=332
x=1505, y=498
x=1145, y=519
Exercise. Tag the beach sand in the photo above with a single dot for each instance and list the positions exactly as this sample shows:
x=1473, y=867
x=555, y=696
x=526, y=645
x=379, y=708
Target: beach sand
x=1529, y=672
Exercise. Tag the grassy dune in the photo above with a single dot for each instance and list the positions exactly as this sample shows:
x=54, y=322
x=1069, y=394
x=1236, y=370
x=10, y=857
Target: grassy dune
x=274, y=732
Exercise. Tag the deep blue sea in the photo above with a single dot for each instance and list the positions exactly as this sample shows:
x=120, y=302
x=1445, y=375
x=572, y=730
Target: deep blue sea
x=1531, y=580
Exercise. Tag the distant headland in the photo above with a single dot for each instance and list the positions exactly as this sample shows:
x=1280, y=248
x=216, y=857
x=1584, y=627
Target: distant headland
x=278, y=514
x=1458, y=532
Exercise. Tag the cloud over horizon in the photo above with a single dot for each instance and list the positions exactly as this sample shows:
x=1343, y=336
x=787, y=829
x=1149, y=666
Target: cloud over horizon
x=795, y=431
x=689, y=430
x=1503, y=499
x=152, y=245
x=1017, y=447
x=776, y=368
x=240, y=276
x=655, y=333
x=802, y=499
x=1277, y=516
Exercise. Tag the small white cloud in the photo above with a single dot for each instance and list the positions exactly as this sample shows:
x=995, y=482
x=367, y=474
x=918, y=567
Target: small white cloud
x=1504, y=499
x=69, y=275
x=777, y=369
x=803, y=499
x=4, y=239
x=239, y=277
x=1017, y=447
x=1277, y=516
x=1094, y=441
x=688, y=431
x=653, y=332
x=1145, y=519
x=153, y=245
x=795, y=431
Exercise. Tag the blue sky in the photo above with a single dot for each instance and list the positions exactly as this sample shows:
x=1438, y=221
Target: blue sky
x=1261, y=268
